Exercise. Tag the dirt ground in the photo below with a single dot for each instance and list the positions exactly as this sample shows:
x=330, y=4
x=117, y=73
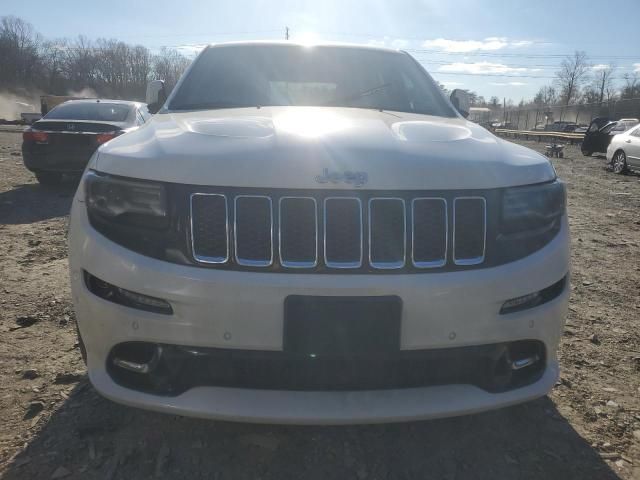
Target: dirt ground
x=54, y=425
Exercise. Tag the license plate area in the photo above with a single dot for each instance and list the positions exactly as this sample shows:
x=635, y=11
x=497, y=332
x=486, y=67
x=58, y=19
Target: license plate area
x=342, y=326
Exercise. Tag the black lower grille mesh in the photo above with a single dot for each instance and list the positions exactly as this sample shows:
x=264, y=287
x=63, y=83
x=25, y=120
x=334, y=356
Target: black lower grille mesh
x=183, y=368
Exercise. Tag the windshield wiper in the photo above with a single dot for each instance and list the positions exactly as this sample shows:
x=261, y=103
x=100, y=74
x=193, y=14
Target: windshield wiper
x=356, y=96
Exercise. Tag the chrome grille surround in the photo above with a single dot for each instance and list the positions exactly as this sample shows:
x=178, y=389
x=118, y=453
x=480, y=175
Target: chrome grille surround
x=388, y=265
x=414, y=255
x=333, y=264
x=434, y=263
x=246, y=261
x=290, y=263
x=480, y=258
x=201, y=258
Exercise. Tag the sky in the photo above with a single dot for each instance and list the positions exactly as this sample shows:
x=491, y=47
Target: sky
x=507, y=48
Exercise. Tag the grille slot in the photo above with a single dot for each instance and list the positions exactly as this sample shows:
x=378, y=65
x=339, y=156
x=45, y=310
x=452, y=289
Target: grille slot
x=343, y=232
x=469, y=230
x=298, y=232
x=429, y=232
x=387, y=232
x=209, y=228
x=253, y=229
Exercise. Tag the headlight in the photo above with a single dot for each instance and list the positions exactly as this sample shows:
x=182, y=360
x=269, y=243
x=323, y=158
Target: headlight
x=532, y=209
x=125, y=199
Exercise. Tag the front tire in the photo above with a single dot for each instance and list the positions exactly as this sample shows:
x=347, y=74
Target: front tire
x=49, y=178
x=619, y=162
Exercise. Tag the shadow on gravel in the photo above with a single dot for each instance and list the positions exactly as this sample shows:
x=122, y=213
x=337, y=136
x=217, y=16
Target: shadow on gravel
x=90, y=437
x=32, y=202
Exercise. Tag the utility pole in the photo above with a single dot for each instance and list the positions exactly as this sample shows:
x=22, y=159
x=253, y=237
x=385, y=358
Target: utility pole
x=286, y=33
x=504, y=110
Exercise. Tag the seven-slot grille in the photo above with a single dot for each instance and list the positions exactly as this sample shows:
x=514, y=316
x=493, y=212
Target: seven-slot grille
x=338, y=232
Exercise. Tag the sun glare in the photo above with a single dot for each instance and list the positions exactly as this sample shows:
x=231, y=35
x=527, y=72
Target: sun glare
x=307, y=38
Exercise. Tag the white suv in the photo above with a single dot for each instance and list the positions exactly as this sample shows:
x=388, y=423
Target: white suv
x=315, y=235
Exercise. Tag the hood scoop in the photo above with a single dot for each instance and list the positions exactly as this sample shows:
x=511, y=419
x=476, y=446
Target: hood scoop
x=248, y=127
x=425, y=132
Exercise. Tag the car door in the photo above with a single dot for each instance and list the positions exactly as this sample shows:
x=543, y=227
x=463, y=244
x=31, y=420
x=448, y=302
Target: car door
x=632, y=147
x=596, y=139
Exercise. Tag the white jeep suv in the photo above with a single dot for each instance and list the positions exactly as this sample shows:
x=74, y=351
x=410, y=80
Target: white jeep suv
x=316, y=235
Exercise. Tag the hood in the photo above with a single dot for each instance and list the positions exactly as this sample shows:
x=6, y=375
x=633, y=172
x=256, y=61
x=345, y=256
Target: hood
x=321, y=147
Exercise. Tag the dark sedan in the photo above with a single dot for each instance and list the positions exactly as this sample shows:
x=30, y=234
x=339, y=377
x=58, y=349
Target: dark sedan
x=63, y=141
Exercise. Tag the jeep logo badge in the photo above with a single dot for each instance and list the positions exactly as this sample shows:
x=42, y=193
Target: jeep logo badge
x=357, y=179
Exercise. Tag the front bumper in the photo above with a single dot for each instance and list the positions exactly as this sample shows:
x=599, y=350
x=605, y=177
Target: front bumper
x=244, y=310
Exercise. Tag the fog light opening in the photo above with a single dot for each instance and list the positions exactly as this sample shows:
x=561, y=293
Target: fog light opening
x=515, y=364
x=125, y=297
x=138, y=358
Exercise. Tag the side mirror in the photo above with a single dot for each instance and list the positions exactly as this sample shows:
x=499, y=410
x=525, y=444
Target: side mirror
x=156, y=95
x=462, y=101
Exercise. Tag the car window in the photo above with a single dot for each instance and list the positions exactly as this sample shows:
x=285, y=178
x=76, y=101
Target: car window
x=249, y=76
x=107, y=112
x=636, y=132
x=140, y=119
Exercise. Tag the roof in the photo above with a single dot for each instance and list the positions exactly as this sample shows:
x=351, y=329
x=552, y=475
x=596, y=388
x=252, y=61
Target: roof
x=291, y=43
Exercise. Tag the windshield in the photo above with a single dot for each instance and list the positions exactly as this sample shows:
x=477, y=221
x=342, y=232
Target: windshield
x=107, y=112
x=268, y=75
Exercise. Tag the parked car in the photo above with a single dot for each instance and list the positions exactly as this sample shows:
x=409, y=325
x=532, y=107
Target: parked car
x=600, y=132
x=317, y=235
x=66, y=137
x=561, y=126
x=624, y=150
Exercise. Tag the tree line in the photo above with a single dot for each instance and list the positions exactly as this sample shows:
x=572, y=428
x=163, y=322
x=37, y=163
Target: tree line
x=577, y=82
x=115, y=69
x=109, y=67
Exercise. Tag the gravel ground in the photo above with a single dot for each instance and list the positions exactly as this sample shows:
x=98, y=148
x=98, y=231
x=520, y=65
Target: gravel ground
x=54, y=425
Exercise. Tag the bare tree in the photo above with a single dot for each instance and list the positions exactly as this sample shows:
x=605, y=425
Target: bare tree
x=18, y=52
x=80, y=64
x=52, y=59
x=631, y=87
x=546, y=96
x=168, y=65
x=140, y=66
x=571, y=76
x=603, y=80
